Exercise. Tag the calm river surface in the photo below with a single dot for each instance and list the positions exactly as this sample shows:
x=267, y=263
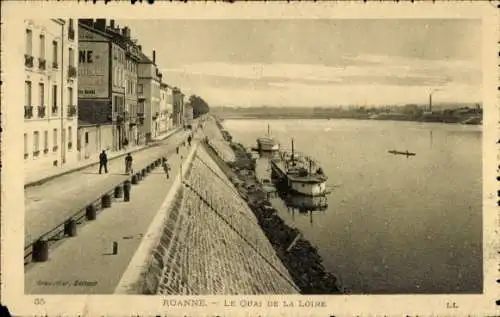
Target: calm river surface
x=394, y=224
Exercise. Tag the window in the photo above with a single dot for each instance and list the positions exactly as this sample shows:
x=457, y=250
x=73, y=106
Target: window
x=41, y=88
x=25, y=145
x=54, y=96
x=54, y=137
x=139, y=88
x=42, y=46
x=29, y=42
x=27, y=93
x=45, y=140
x=54, y=52
x=36, y=142
x=71, y=57
x=70, y=95
x=86, y=138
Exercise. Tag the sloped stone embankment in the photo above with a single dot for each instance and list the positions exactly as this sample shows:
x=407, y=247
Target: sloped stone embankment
x=212, y=243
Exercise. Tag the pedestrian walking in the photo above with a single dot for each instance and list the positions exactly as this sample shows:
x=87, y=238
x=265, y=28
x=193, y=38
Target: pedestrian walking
x=128, y=164
x=189, y=140
x=166, y=168
x=103, y=162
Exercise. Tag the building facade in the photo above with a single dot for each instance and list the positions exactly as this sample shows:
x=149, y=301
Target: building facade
x=188, y=112
x=95, y=102
x=108, y=94
x=166, y=109
x=50, y=93
x=148, y=96
x=178, y=105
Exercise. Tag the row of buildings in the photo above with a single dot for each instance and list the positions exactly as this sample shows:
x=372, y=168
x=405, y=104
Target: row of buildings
x=89, y=86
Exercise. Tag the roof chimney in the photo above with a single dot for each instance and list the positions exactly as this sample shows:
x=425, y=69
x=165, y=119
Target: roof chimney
x=112, y=24
x=100, y=24
x=154, y=57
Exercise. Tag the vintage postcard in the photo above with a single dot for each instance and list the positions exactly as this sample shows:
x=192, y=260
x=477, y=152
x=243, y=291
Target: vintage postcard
x=249, y=159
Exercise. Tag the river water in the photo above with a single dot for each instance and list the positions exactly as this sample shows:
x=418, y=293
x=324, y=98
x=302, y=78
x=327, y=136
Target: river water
x=393, y=224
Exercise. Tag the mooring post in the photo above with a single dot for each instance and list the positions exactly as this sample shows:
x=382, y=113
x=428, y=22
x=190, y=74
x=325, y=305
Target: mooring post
x=115, y=247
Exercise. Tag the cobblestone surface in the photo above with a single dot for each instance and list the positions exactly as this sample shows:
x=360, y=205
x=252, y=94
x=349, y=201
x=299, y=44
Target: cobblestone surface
x=212, y=244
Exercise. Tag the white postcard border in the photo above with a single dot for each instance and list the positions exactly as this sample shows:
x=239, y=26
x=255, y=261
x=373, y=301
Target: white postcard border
x=12, y=221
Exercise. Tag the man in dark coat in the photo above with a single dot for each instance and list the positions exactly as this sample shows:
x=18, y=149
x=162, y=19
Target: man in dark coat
x=103, y=162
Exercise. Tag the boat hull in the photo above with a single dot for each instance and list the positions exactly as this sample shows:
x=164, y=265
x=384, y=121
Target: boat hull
x=296, y=185
x=268, y=146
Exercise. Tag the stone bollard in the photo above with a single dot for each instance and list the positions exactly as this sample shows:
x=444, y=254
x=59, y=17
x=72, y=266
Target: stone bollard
x=106, y=201
x=118, y=192
x=70, y=228
x=126, y=191
x=115, y=247
x=134, y=179
x=90, y=212
x=40, y=251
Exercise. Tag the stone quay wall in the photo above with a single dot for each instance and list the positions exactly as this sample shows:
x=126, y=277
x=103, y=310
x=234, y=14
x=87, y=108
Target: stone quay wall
x=212, y=243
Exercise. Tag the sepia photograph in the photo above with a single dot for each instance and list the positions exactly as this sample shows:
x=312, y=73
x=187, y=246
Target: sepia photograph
x=211, y=160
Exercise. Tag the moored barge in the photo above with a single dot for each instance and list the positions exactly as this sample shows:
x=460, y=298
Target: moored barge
x=299, y=174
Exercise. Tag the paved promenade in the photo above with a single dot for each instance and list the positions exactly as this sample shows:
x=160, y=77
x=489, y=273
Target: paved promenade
x=32, y=178
x=85, y=264
x=52, y=202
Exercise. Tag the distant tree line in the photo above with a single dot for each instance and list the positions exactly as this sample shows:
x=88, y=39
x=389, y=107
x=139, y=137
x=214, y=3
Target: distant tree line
x=200, y=106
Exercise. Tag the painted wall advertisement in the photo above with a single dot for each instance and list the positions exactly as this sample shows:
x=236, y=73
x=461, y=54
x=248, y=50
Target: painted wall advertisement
x=93, y=70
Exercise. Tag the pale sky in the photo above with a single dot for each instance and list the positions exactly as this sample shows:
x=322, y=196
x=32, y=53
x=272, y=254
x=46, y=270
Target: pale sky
x=317, y=62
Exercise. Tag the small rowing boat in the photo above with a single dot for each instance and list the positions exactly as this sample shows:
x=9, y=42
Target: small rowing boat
x=402, y=153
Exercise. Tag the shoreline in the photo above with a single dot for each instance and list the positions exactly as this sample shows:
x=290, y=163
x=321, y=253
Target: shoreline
x=297, y=254
x=257, y=117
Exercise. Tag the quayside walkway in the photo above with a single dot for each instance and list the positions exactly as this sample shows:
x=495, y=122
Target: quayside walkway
x=85, y=264
x=39, y=176
x=51, y=203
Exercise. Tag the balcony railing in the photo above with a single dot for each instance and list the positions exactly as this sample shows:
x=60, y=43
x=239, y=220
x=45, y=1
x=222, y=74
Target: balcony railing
x=71, y=34
x=28, y=112
x=72, y=72
x=41, y=111
x=28, y=60
x=55, y=109
x=71, y=111
x=55, y=65
x=42, y=63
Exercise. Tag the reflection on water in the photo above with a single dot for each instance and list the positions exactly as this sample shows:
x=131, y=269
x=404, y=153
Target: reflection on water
x=392, y=224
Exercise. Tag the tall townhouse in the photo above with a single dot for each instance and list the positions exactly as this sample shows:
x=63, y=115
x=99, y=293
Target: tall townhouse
x=101, y=94
x=132, y=58
x=188, y=112
x=166, y=109
x=50, y=99
x=148, y=95
x=178, y=105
